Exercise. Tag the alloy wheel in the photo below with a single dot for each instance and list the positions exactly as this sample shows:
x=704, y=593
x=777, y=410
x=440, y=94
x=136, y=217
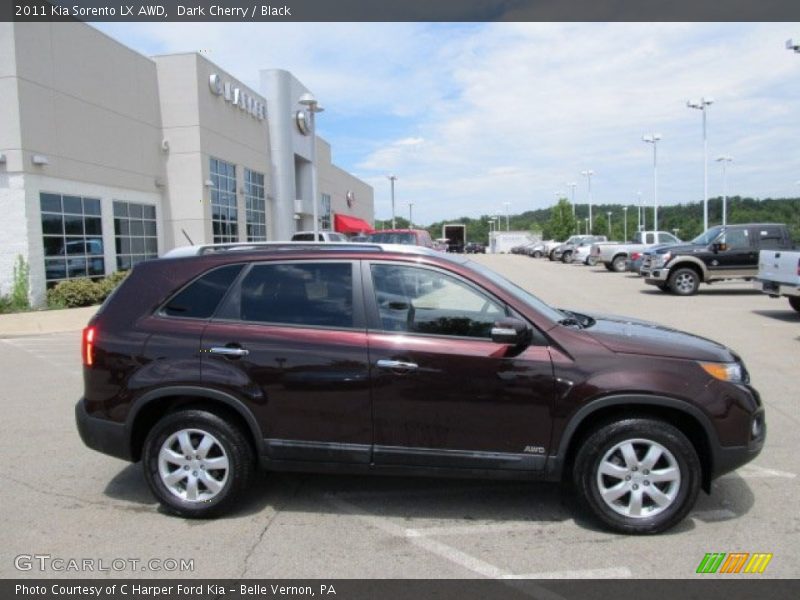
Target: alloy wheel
x=193, y=465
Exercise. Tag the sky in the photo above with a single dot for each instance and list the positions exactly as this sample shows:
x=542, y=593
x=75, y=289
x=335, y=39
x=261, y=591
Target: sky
x=472, y=116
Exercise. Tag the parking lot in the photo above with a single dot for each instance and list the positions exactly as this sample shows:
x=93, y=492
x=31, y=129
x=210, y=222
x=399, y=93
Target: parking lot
x=64, y=500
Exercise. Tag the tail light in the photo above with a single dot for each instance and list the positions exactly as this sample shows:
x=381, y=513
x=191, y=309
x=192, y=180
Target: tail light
x=636, y=255
x=87, y=351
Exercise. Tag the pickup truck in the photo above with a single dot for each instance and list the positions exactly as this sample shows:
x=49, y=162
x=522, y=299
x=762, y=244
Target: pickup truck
x=613, y=256
x=721, y=253
x=779, y=275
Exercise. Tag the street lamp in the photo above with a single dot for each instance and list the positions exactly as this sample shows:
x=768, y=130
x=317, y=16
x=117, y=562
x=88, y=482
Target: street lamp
x=702, y=105
x=586, y=223
x=642, y=215
x=625, y=222
x=392, y=179
x=609, y=223
x=653, y=139
x=313, y=107
x=507, y=205
x=588, y=174
x=572, y=185
x=411, y=215
x=724, y=160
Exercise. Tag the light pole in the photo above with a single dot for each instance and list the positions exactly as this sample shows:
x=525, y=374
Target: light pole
x=411, y=215
x=392, y=179
x=609, y=223
x=653, y=139
x=625, y=222
x=572, y=185
x=586, y=223
x=641, y=212
x=313, y=107
x=725, y=160
x=702, y=105
x=588, y=174
x=507, y=205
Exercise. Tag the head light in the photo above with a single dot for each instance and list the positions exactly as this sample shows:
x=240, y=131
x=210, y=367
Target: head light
x=724, y=371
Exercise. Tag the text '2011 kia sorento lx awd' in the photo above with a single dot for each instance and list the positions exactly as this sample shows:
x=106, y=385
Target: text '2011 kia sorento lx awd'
x=366, y=358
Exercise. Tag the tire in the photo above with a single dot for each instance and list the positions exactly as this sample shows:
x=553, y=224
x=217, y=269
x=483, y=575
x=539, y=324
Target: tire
x=591, y=261
x=618, y=264
x=794, y=302
x=664, y=287
x=684, y=282
x=196, y=428
x=537, y=254
x=566, y=257
x=552, y=255
x=678, y=465
x=608, y=267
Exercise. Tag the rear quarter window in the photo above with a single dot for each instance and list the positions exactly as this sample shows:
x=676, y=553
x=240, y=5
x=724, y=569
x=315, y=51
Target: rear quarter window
x=200, y=299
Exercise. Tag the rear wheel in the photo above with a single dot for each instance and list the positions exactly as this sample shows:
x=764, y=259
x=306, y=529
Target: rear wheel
x=684, y=282
x=537, y=254
x=638, y=475
x=566, y=257
x=196, y=463
x=794, y=302
x=608, y=266
x=552, y=255
x=618, y=264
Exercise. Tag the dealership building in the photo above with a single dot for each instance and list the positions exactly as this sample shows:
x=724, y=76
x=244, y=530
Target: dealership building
x=109, y=157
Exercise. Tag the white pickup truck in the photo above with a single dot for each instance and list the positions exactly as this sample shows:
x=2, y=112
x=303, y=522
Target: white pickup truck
x=613, y=256
x=779, y=275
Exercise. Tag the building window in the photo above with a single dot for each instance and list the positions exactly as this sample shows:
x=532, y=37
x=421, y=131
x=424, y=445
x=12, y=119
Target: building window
x=224, y=216
x=256, y=206
x=72, y=233
x=135, y=233
x=325, y=215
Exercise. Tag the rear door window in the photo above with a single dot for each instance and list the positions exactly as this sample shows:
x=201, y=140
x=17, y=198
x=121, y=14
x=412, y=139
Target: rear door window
x=305, y=294
x=770, y=237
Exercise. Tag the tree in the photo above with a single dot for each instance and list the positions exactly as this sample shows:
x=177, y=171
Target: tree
x=562, y=222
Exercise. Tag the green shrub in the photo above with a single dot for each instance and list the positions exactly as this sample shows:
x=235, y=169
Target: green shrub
x=75, y=292
x=5, y=304
x=19, y=289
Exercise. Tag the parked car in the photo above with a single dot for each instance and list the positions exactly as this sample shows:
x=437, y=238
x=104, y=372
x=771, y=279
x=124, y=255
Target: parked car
x=721, y=253
x=405, y=237
x=634, y=262
x=613, y=256
x=214, y=360
x=564, y=251
x=523, y=248
x=582, y=254
x=322, y=236
x=779, y=275
x=474, y=248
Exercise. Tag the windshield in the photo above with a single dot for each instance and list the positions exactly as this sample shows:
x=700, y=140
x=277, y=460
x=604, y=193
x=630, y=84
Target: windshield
x=705, y=238
x=408, y=239
x=519, y=293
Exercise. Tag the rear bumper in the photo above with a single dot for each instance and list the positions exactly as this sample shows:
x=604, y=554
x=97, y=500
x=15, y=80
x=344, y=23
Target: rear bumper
x=102, y=435
x=774, y=288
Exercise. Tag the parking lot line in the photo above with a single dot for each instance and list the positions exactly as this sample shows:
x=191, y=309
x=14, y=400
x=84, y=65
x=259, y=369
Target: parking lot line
x=422, y=539
x=756, y=472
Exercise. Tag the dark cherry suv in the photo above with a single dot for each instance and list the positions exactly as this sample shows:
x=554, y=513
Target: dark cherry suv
x=387, y=359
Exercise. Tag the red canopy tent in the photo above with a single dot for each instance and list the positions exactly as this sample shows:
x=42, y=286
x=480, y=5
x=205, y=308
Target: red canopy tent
x=345, y=224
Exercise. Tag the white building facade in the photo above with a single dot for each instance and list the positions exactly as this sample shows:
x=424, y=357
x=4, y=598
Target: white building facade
x=108, y=157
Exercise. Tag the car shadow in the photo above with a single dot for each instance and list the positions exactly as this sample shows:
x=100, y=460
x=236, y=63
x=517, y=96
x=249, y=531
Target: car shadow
x=787, y=316
x=653, y=290
x=420, y=498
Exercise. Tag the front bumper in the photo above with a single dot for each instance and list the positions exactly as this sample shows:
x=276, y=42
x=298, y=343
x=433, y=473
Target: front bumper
x=102, y=435
x=730, y=458
x=657, y=276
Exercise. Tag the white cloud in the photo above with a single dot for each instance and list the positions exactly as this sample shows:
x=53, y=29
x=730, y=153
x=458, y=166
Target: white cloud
x=471, y=116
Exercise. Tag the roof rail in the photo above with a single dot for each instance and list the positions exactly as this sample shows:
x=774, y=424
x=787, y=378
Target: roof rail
x=203, y=249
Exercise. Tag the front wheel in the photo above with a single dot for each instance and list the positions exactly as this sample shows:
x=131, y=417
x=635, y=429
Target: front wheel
x=196, y=463
x=566, y=257
x=684, y=282
x=638, y=475
x=794, y=302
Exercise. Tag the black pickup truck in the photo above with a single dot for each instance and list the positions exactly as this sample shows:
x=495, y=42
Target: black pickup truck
x=721, y=253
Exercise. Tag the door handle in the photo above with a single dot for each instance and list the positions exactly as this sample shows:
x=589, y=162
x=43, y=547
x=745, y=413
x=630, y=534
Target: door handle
x=229, y=352
x=397, y=365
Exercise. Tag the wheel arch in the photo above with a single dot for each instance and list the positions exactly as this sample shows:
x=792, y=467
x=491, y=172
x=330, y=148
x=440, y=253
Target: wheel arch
x=153, y=405
x=687, y=418
x=689, y=262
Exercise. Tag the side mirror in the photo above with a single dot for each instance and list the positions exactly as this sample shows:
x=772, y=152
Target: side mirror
x=511, y=331
x=719, y=247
